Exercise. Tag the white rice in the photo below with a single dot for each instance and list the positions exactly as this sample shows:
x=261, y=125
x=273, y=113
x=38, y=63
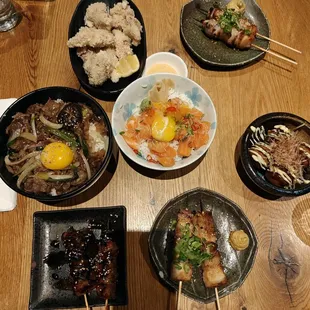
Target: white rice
x=183, y=97
x=100, y=142
x=175, y=144
x=145, y=151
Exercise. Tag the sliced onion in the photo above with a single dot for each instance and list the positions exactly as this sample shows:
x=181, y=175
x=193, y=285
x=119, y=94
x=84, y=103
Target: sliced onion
x=48, y=123
x=55, y=177
x=61, y=177
x=33, y=125
x=26, y=165
x=14, y=135
x=86, y=165
x=28, y=136
x=24, y=174
x=12, y=163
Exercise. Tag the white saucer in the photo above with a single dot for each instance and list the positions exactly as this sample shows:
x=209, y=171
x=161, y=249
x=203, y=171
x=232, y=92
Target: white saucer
x=176, y=62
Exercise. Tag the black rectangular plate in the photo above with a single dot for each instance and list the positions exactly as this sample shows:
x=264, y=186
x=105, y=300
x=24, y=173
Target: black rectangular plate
x=46, y=227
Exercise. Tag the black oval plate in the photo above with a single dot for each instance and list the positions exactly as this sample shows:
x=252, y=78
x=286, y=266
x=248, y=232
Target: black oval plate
x=257, y=176
x=227, y=217
x=217, y=53
x=108, y=91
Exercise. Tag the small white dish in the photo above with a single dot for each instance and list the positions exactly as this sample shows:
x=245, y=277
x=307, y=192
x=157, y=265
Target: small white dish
x=174, y=61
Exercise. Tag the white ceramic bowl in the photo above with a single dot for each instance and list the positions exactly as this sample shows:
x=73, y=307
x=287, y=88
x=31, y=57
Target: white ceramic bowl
x=176, y=62
x=131, y=98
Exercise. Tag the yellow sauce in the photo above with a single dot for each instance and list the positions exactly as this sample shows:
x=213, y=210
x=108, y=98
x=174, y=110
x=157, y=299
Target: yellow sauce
x=160, y=68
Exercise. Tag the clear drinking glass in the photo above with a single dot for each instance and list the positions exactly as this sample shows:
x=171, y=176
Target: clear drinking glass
x=9, y=17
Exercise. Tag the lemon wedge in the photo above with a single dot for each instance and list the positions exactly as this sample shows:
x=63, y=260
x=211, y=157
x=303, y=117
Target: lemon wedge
x=128, y=65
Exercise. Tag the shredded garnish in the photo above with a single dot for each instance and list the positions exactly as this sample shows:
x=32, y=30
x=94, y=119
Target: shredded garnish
x=190, y=249
x=285, y=153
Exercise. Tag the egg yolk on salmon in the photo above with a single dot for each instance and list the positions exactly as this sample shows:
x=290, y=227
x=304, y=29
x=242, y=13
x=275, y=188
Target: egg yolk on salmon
x=56, y=156
x=163, y=128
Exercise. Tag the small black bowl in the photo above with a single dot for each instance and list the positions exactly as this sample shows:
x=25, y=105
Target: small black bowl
x=41, y=96
x=109, y=91
x=256, y=175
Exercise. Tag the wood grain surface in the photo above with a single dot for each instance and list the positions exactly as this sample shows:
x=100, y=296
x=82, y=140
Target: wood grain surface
x=35, y=55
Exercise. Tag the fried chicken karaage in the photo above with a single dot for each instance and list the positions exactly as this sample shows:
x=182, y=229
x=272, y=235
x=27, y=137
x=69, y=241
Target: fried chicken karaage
x=106, y=39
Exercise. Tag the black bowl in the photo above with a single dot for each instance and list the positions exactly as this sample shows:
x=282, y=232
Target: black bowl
x=41, y=96
x=256, y=175
x=109, y=91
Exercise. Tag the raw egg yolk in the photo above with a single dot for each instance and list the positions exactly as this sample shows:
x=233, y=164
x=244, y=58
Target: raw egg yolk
x=163, y=128
x=56, y=156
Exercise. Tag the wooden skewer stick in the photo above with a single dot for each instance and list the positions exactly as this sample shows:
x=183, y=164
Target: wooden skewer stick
x=217, y=299
x=106, y=304
x=277, y=42
x=86, y=302
x=179, y=295
x=274, y=54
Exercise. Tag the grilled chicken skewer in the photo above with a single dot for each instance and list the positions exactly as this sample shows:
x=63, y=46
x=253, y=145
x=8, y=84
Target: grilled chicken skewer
x=203, y=228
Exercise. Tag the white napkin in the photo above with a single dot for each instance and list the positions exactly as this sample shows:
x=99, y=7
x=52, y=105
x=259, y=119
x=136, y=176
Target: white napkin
x=7, y=195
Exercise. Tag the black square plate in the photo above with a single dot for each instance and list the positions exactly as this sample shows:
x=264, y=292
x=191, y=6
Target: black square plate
x=48, y=226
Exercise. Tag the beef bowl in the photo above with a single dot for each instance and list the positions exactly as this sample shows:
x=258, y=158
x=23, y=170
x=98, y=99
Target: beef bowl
x=57, y=142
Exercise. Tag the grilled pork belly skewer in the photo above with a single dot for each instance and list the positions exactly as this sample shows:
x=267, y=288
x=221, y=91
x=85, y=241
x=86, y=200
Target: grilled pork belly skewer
x=182, y=271
x=213, y=272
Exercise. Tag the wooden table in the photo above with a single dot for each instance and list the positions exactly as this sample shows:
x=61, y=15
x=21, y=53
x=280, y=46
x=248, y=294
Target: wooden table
x=35, y=55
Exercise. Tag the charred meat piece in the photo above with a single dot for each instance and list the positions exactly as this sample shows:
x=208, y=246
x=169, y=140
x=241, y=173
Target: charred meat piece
x=203, y=226
x=76, y=241
x=70, y=116
x=51, y=109
x=109, y=271
x=229, y=27
x=81, y=287
x=80, y=268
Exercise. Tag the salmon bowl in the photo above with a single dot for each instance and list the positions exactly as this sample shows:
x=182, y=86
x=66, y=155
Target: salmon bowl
x=164, y=121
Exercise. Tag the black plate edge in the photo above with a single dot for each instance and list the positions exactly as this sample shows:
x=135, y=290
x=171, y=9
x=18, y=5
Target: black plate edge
x=216, y=64
x=173, y=286
x=92, y=90
x=36, y=218
x=250, y=170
